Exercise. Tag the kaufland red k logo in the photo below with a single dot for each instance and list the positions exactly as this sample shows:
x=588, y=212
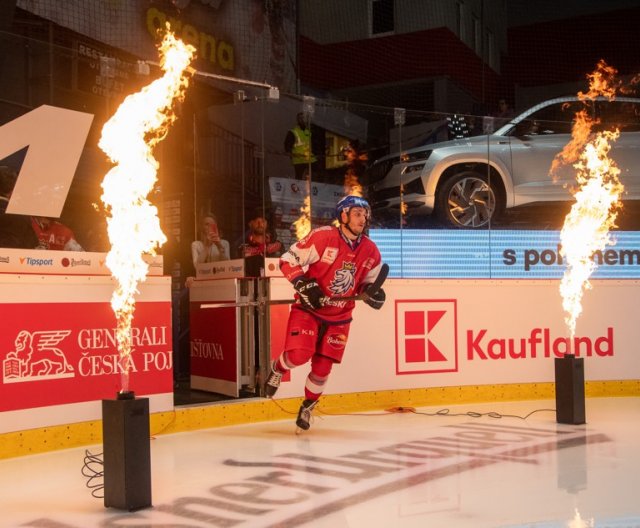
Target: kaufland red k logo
x=426, y=336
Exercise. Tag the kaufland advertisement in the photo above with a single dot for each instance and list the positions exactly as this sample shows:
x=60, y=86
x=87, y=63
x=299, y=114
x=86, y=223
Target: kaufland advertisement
x=439, y=333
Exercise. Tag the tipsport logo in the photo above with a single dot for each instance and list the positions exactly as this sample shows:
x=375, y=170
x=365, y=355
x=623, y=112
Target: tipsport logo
x=426, y=336
x=36, y=356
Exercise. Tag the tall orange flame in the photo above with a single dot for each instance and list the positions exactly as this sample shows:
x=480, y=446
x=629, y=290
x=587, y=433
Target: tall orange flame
x=597, y=199
x=602, y=82
x=128, y=138
x=586, y=227
x=303, y=223
x=354, y=158
x=352, y=185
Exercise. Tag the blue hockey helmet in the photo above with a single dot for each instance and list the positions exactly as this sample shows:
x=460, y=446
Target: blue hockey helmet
x=352, y=201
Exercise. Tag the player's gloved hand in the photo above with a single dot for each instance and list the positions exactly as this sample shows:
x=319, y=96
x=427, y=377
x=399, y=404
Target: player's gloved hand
x=376, y=300
x=311, y=295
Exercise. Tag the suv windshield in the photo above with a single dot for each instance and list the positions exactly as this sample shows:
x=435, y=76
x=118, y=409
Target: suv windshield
x=623, y=115
x=556, y=118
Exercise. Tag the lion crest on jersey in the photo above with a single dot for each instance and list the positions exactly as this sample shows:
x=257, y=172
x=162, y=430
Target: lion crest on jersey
x=344, y=279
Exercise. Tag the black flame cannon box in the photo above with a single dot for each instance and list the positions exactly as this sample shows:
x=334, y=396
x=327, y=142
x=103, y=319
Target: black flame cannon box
x=569, y=377
x=127, y=452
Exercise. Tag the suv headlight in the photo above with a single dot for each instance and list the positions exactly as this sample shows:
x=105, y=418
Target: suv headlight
x=416, y=156
x=413, y=168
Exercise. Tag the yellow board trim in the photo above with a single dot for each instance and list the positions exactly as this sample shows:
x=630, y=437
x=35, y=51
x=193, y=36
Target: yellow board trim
x=32, y=441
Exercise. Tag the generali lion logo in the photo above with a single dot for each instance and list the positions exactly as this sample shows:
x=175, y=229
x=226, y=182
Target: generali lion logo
x=36, y=357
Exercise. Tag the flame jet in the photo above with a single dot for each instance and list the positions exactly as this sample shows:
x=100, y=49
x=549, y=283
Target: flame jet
x=597, y=198
x=141, y=121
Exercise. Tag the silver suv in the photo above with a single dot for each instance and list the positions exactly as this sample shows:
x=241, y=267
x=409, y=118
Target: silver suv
x=469, y=182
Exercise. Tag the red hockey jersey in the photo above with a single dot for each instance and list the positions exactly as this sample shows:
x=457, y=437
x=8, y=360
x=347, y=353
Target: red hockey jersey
x=54, y=236
x=341, y=268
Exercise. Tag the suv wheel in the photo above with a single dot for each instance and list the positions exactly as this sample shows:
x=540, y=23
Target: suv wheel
x=467, y=200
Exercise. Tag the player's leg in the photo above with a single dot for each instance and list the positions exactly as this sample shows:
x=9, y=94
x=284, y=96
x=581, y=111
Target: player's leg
x=320, y=369
x=274, y=379
x=331, y=345
x=299, y=346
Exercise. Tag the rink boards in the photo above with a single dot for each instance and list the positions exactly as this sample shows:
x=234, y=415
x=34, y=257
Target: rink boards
x=444, y=333
x=58, y=353
x=430, y=333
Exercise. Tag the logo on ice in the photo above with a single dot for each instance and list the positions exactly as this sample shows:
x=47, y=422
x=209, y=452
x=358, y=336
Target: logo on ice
x=36, y=356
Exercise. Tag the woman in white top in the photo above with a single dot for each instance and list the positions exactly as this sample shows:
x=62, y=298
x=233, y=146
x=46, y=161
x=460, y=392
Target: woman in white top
x=210, y=247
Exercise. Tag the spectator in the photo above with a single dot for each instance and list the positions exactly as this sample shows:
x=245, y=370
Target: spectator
x=504, y=113
x=260, y=240
x=54, y=235
x=297, y=144
x=210, y=247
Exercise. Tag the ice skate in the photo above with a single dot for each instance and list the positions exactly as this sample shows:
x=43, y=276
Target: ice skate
x=273, y=382
x=304, y=415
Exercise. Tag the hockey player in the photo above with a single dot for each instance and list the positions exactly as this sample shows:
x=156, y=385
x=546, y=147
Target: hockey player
x=53, y=234
x=339, y=262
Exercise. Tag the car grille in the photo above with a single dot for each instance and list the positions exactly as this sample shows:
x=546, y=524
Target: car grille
x=378, y=171
x=413, y=187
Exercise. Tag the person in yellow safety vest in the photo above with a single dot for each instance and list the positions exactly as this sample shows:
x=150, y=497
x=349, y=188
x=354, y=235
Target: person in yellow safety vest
x=297, y=144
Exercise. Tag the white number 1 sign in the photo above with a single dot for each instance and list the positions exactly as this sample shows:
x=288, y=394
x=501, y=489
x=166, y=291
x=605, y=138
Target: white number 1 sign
x=55, y=137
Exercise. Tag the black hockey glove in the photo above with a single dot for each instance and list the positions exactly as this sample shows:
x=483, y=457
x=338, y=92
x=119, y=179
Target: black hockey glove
x=376, y=300
x=311, y=295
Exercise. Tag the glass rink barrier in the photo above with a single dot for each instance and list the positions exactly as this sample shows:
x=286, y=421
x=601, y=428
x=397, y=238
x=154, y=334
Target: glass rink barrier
x=59, y=353
x=468, y=331
x=471, y=204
